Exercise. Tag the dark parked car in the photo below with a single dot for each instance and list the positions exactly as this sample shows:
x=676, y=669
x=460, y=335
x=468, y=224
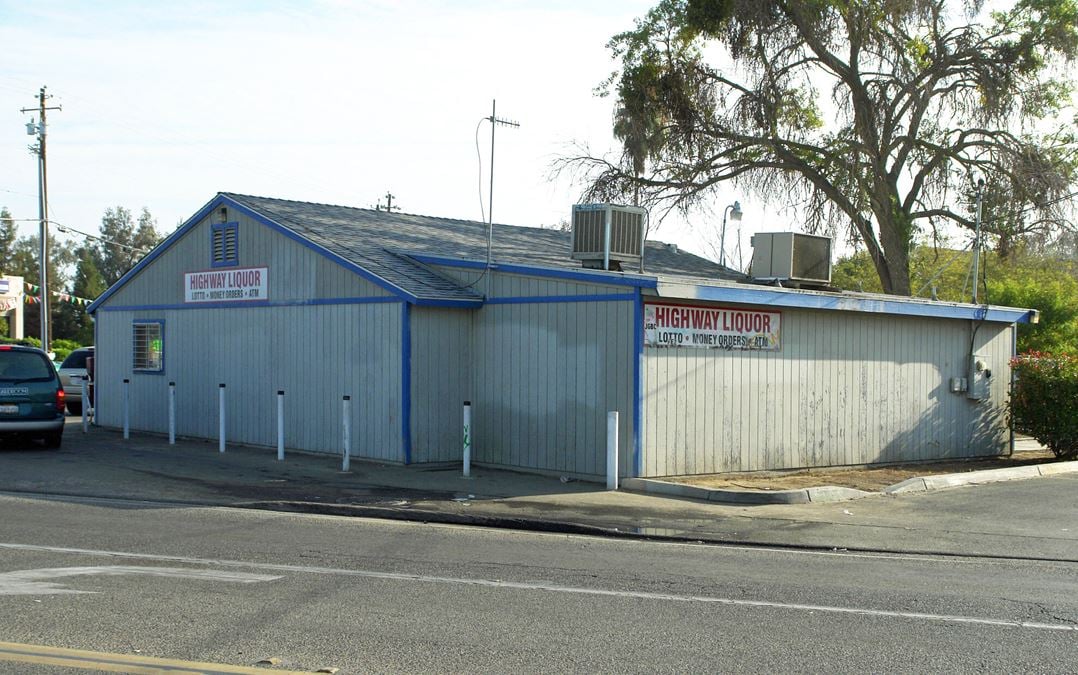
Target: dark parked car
x=31, y=396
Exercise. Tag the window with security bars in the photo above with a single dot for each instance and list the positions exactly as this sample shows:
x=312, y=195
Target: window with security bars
x=226, y=244
x=148, y=346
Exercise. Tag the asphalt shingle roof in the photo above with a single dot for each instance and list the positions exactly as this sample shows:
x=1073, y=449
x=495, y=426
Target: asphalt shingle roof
x=379, y=242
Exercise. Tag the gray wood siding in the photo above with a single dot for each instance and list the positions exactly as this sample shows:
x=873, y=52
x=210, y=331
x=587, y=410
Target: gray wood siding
x=442, y=379
x=546, y=375
x=845, y=389
x=317, y=354
x=296, y=273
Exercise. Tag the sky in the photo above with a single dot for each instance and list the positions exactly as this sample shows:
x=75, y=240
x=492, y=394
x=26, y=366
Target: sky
x=332, y=101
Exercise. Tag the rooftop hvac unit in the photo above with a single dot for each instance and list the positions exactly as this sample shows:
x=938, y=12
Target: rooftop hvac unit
x=606, y=235
x=793, y=256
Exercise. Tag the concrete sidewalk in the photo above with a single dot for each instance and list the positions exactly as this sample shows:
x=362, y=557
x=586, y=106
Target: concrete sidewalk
x=1025, y=518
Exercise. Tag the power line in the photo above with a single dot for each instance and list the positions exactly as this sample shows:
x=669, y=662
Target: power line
x=66, y=228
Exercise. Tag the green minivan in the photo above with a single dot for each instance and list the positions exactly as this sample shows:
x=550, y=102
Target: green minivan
x=31, y=396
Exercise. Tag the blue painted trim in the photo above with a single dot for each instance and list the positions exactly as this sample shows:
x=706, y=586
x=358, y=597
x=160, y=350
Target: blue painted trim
x=223, y=227
x=253, y=304
x=218, y=201
x=322, y=251
x=146, y=371
x=97, y=369
x=406, y=381
x=638, y=382
x=609, y=278
x=156, y=252
x=527, y=300
x=431, y=302
x=758, y=295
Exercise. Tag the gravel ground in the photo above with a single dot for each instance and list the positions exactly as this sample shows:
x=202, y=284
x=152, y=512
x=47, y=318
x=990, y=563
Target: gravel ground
x=871, y=479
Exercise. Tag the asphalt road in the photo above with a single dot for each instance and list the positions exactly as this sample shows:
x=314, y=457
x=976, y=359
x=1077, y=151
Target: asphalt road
x=236, y=586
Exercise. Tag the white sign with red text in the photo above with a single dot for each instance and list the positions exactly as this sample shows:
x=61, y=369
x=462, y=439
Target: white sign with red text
x=241, y=284
x=711, y=327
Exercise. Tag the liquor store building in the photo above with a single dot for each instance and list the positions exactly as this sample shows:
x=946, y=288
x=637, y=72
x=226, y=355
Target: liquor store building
x=403, y=314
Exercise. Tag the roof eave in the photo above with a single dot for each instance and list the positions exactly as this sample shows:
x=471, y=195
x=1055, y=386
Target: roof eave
x=671, y=287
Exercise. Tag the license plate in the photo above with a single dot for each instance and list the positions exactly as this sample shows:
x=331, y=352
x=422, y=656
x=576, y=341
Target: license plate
x=9, y=409
x=14, y=391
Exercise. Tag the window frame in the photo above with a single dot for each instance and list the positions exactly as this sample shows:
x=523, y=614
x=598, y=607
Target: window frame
x=135, y=324
x=225, y=229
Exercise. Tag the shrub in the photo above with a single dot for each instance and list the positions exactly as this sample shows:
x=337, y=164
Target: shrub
x=1044, y=403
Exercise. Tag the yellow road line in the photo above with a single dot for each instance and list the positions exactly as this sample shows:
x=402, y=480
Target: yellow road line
x=121, y=663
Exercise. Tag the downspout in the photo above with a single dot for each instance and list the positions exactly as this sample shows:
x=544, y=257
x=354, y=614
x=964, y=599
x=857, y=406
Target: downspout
x=638, y=383
x=1014, y=353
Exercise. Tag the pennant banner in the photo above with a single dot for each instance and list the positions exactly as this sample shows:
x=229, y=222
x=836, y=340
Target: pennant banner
x=33, y=296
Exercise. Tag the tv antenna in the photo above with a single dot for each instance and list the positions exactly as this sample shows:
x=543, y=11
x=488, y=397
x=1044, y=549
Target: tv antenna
x=389, y=207
x=494, y=122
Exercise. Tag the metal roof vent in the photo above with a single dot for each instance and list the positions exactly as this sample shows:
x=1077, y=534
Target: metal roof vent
x=607, y=235
x=791, y=256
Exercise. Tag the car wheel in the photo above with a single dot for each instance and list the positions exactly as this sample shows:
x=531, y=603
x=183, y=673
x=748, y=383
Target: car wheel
x=54, y=439
x=74, y=408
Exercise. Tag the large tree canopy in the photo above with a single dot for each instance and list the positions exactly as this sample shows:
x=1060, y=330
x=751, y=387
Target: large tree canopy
x=868, y=116
x=122, y=245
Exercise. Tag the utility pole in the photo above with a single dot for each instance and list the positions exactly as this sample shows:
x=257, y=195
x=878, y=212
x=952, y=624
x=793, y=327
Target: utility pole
x=43, y=208
x=494, y=121
x=977, y=239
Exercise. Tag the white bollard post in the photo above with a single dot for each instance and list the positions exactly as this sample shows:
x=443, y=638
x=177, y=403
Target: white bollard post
x=172, y=413
x=612, y=450
x=467, y=439
x=346, y=418
x=127, y=409
x=221, y=417
x=85, y=404
x=280, y=425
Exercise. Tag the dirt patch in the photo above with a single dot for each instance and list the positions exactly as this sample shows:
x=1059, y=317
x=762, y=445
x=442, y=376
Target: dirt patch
x=871, y=479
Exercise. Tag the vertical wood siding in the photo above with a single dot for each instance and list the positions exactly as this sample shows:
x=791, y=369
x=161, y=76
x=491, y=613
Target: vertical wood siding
x=546, y=375
x=845, y=389
x=316, y=353
x=296, y=273
x=442, y=379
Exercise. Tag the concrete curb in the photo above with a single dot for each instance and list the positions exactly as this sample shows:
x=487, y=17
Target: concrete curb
x=942, y=481
x=834, y=493
x=826, y=493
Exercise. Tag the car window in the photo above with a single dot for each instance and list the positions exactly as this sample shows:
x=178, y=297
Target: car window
x=25, y=366
x=76, y=359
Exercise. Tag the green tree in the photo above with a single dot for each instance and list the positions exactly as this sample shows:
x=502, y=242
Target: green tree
x=71, y=320
x=24, y=263
x=1023, y=279
x=122, y=245
x=146, y=236
x=8, y=234
x=114, y=252
x=870, y=116
x=1055, y=296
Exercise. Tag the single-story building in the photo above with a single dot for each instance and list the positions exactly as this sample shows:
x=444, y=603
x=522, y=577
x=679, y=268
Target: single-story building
x=12, y=298
x=409, y=317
